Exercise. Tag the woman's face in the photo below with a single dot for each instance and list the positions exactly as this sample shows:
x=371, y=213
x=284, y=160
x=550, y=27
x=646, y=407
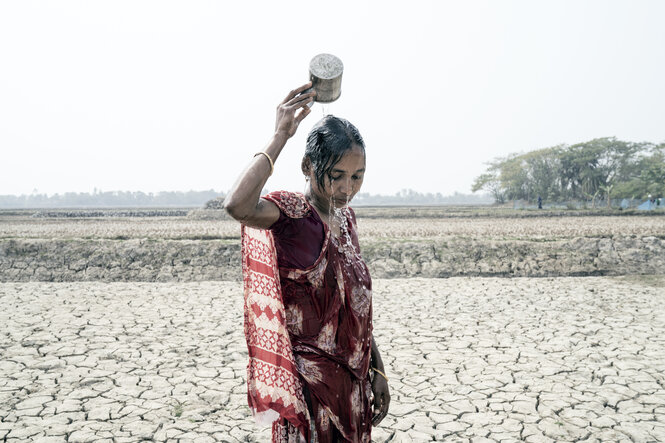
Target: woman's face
x=344, y=182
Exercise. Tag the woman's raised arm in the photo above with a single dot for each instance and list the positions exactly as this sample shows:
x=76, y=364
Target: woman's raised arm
x=244, y=202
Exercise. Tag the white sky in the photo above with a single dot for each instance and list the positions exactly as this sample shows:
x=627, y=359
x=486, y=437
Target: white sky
x=162, y=95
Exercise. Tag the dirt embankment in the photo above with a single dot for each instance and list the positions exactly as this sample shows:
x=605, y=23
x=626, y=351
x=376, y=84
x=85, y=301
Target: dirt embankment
x=518, y=258
x=195, y=260
x=118, y=260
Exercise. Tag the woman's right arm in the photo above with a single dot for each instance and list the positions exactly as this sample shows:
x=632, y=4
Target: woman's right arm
x=244, y=202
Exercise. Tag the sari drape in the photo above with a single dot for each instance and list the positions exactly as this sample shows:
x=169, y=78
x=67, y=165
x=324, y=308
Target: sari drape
x=274, y=389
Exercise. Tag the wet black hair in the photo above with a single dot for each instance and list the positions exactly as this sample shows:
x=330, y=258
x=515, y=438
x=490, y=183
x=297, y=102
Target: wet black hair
x=330, y=138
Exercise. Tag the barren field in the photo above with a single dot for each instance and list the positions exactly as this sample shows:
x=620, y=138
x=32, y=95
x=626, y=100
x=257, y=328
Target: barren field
x=469, y=360
x=127, y=329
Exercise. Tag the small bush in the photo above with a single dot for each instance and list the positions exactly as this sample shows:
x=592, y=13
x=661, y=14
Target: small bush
x=215, y=203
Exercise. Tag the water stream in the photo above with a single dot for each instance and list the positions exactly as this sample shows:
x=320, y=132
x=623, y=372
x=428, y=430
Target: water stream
x=343, y=242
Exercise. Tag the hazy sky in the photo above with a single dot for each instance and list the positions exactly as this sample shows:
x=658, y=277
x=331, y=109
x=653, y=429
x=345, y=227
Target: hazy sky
x=162, y=95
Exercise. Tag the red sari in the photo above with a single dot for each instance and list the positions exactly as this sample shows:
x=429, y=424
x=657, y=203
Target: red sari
x=316, y=348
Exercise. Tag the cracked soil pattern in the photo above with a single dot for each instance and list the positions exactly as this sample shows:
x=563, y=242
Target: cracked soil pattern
x=469, y=360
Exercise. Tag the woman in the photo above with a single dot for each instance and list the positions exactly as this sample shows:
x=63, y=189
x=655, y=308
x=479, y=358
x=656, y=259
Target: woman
x=315, y=371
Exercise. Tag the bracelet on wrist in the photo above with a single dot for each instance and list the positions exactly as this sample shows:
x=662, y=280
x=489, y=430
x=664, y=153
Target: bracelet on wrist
x=272, y=164
x=380, y=372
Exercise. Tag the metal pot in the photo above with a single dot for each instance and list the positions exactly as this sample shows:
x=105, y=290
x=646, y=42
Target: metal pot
x=325, y=73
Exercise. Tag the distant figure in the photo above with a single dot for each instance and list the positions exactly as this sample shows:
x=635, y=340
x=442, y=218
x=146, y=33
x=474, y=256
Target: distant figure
x=540, y=202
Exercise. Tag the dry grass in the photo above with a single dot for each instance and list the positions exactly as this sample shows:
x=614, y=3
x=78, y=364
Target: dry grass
x=519, y=228
x=118, y=228
x=539, y=228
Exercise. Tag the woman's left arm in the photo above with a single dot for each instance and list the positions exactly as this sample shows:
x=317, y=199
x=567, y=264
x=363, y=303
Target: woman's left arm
x=379, y=386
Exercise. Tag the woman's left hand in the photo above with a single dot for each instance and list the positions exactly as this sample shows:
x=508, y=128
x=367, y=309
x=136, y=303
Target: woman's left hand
x=381, y=398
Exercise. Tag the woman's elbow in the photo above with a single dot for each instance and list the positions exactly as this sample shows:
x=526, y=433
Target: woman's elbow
x=234, y=210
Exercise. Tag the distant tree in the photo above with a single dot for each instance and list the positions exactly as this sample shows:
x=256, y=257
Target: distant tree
x=490, y=182
x=648, y=176
x=603, y=166
x=215, y=203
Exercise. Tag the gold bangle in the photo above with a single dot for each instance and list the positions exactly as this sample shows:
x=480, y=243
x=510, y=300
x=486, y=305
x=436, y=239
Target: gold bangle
x=272, y=164
x=382, y=374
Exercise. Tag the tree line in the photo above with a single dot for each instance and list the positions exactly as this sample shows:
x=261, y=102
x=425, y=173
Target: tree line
x=409, y=197
x=603, y=168
x=212, y=200
x=109, y=199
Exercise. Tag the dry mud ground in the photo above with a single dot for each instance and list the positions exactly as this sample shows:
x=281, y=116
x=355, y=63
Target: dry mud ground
x=469, y=360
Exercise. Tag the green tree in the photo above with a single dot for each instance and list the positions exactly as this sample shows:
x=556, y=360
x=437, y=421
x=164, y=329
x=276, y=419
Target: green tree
x=601, y=167
x=490, y=182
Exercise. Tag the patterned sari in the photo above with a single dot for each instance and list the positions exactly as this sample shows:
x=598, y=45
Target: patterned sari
x=308, y=324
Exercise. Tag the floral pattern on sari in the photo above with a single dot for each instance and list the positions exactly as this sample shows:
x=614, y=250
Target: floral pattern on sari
x=293, y=204
x=294, y=319
x=326, y=339
x=357, y=357
x=361, y=298
x=340, y=284
x=285, y=433
x=356, y=400
x=309, y=370
x=316, y=276
x=367, y=385
x=323, y=420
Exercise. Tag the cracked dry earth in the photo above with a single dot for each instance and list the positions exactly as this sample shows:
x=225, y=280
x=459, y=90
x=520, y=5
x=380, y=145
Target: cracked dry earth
x=469, y=359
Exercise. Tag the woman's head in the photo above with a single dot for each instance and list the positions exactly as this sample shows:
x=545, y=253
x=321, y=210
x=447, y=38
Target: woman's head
x=334, y=159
